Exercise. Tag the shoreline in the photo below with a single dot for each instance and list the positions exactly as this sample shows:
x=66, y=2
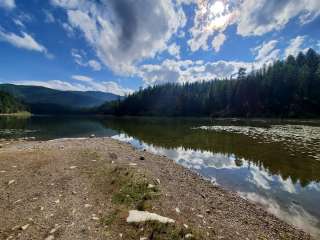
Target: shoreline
x=17, y=114
x=82, y=203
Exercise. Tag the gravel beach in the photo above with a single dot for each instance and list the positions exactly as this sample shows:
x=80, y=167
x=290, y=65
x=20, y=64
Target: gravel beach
x=85, y=189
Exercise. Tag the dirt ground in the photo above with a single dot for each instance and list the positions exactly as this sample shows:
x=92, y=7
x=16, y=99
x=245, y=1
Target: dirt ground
x=84, y=189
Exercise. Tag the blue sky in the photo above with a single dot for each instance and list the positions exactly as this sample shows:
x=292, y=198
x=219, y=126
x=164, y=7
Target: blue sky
x=121, y=45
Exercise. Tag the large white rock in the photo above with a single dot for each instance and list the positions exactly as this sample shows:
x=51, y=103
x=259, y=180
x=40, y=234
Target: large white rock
x=143, y=216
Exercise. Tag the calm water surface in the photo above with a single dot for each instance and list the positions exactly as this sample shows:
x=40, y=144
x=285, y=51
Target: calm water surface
x=273, y=163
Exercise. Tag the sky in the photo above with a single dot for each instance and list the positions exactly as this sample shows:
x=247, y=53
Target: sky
x=120, y=46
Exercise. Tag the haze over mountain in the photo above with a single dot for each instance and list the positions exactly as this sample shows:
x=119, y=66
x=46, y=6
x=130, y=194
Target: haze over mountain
x=46, y=98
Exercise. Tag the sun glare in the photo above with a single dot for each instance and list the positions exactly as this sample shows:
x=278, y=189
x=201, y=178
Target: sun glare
x=217, y=8
x=215, y=14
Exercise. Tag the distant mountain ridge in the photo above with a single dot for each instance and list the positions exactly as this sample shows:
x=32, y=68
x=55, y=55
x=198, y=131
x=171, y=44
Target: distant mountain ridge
x=35, y=96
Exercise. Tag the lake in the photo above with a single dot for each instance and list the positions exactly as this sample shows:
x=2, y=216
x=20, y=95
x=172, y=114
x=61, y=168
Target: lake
x=273, y=163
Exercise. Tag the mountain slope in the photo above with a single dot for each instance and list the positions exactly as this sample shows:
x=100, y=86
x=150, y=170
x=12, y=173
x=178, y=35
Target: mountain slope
x=9, y=104
x=34, y=95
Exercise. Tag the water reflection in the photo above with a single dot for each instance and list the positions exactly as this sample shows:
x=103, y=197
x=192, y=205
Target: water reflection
x=281, y=197
x=261, y=169
x=294, y=214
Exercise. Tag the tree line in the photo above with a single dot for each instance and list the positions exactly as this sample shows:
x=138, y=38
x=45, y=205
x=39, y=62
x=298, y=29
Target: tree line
x=9, y=104
x=285, y=88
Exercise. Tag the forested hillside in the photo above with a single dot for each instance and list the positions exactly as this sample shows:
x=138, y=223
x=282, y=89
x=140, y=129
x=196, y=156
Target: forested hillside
x=288, y=88
x=8, y=104
x=41, y=100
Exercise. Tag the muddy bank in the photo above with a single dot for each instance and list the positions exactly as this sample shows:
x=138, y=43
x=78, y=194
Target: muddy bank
x=85, y=188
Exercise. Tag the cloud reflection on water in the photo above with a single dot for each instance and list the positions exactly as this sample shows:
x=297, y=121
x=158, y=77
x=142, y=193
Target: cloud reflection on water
x=294, y=214
x=277, y=195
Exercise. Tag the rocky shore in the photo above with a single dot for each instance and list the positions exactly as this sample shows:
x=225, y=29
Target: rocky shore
x=99, y=188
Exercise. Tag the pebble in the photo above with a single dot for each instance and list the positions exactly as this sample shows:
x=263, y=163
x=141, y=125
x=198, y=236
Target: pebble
x=87, y=205
x=54, y=229
x=11, y=182
x=177, y=210
x=57, y=201
x=24, y=227
x=15, y=228
x=94, y=217
x=50, y=237
x=73, y=167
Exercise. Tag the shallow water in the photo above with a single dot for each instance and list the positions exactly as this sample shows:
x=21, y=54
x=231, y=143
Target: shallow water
x=273, y=163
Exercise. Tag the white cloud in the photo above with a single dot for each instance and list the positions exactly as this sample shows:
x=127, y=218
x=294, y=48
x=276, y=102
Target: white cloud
x=69, y=30
x=49, y=18
x=267, y=52
x=295, y=46
x=188, y=71
x=174, y=50
x=82, y=78
x=78, y=58
x=24, y=41
x=125, y=32
x=8, y=4
x=251, y=17
x=106, y=86
x=218, y=41
x=95, y=65
x=211, y=17
x=18, y=22
x=115, y=88
x=54, y=84
x=262, y=16
x=21, y=19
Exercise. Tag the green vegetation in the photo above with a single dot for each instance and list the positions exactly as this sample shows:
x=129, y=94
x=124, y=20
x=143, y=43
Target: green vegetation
x=288, y=88
x=10, y=105
x=130, y=189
